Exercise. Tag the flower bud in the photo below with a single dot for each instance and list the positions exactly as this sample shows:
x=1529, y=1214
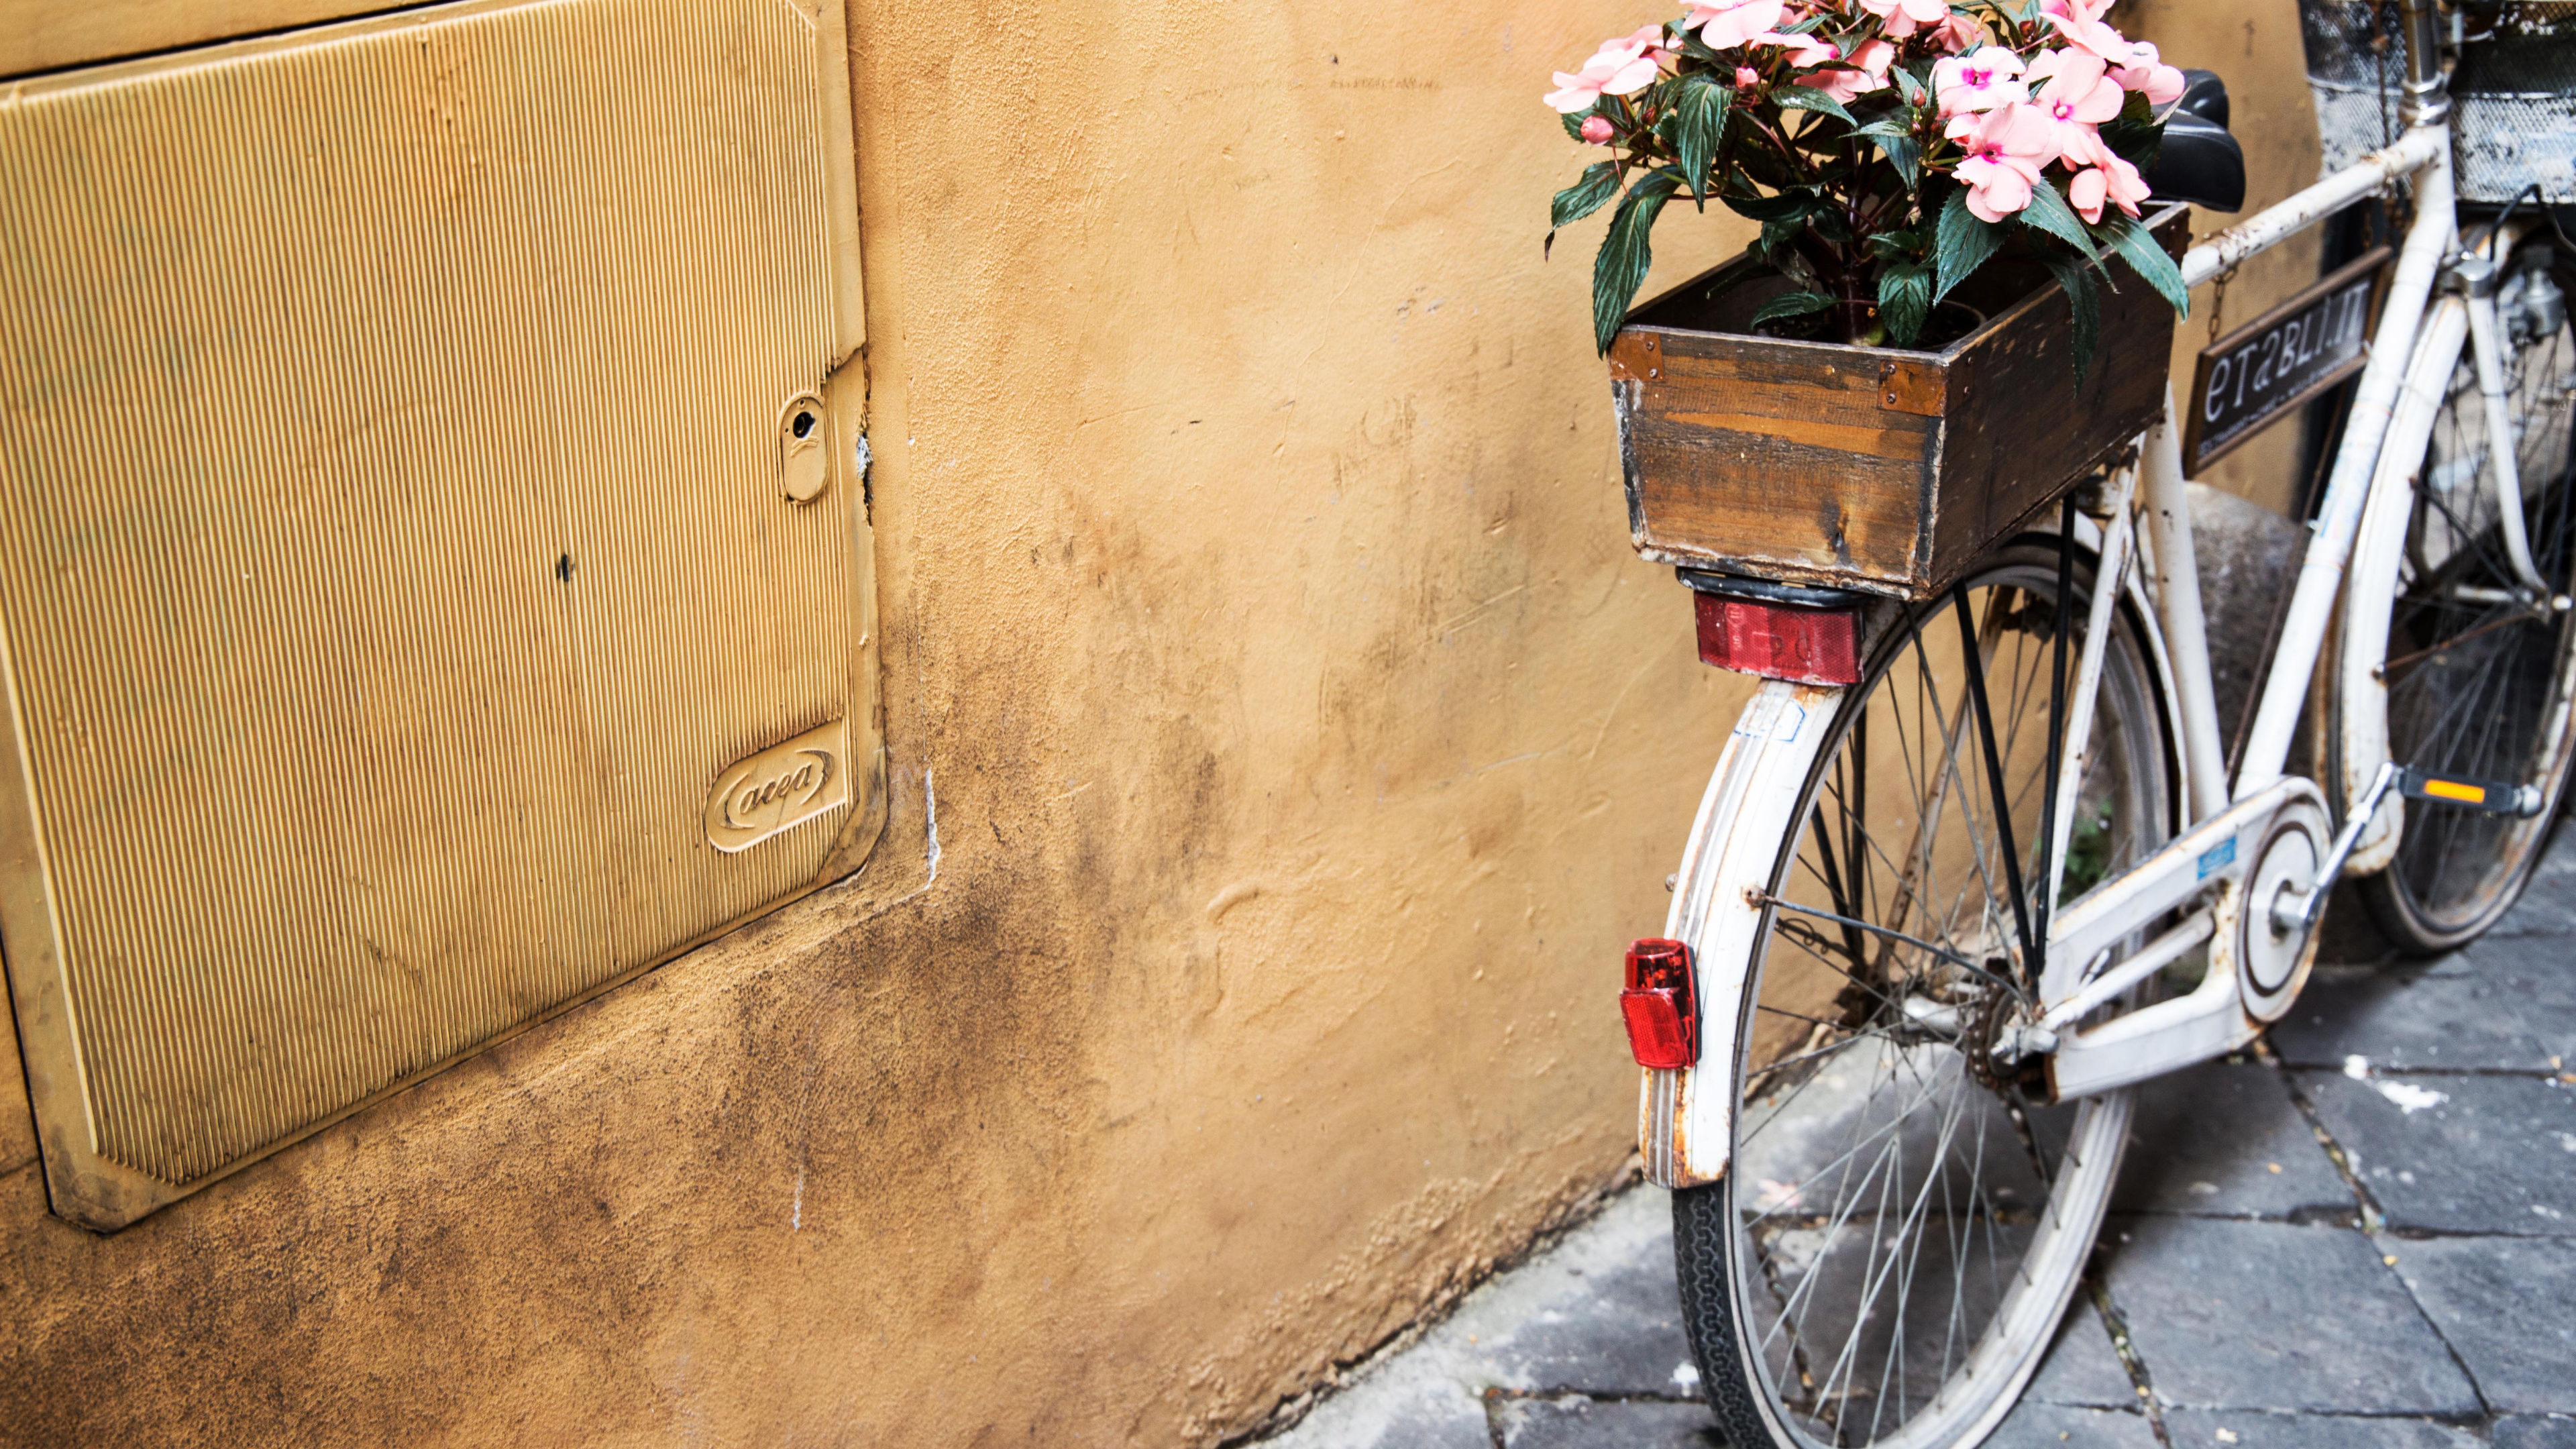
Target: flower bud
x=1596, y=130
x=1746, y=75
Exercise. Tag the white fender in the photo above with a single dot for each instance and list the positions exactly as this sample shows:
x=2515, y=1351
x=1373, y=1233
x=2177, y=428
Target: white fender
x=1685, y=1133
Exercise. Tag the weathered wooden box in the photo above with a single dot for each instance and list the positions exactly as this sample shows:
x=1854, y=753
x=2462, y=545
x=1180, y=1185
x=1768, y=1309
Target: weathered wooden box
x=1869, y=467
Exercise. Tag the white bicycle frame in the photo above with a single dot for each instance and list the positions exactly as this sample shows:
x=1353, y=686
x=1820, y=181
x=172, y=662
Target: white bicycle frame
x=2237, y=857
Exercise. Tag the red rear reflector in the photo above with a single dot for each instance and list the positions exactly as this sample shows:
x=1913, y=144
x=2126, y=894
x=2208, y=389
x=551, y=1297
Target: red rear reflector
x=1660, y=1005
x=1777, y=641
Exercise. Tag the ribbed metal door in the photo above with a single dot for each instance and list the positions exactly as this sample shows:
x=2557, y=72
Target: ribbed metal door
x=401, y=541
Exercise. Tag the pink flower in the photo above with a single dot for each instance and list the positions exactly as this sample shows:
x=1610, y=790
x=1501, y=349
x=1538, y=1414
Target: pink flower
x=2148, y=74
x=2080, y=22
x=1804, y=50
x=1978, y=82
x=1903, y=17
x=2106, y=178
x=1746, y=75
x=1618, y=68
x=1863, y=71
x=2006, y=148
x=1961, y=32
x=2077, y=97
x=1597, y=130
x=1731, y=23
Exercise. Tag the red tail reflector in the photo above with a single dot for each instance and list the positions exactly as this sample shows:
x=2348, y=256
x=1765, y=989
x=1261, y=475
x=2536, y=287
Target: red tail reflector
x=1661, y=1005
x=1778, y=641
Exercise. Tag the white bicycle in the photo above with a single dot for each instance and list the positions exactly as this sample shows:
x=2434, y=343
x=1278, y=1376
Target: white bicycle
x=1930, y=926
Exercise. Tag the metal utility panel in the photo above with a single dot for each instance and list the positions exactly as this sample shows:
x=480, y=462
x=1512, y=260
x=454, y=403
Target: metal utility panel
x=433, y=555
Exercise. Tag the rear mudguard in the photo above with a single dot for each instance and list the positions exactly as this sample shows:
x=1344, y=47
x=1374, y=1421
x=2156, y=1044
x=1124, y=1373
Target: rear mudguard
x=1685, y=1134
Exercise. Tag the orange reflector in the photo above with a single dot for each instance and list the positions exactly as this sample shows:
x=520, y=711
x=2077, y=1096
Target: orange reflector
x=2453, y=790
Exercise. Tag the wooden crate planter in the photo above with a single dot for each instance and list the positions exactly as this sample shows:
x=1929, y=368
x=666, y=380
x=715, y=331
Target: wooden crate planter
x=1870, y=467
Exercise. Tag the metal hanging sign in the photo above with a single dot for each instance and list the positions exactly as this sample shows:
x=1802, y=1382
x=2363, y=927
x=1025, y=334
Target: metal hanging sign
x=2263, y=371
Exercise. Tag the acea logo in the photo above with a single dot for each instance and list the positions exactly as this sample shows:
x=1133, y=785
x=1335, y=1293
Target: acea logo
x=783, y=786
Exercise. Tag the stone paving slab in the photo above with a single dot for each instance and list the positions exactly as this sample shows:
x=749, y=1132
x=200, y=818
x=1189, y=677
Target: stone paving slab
x=2082, y=1369
x=2255, y=1315
x=1581, y=1423
x=2049, y=1426
x=2194, y=1428
x=2548, y=905
x=2501, y=1005
x=2507, y=1306
x=1598, y=1313
x=2534, y=1431
x=2226, y=1141
x=2458, y=1154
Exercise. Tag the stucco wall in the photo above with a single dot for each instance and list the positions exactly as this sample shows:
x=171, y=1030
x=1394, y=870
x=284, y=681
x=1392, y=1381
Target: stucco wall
x=1305, y=743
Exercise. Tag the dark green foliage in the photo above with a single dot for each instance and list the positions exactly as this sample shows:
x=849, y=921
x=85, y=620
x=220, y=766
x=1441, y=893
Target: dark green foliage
x=1589, y=193
x=1621, y=268
x=1791, y=304
x=1904, y=300
x=1962, y=245
x=2076, y=279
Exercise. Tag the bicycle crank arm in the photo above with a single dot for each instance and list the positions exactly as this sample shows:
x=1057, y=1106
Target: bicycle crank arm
x=2270, y=844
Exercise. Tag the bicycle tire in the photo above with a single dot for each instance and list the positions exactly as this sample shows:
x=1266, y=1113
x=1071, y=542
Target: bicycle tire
x=2472, y=689
x=1751, y=1303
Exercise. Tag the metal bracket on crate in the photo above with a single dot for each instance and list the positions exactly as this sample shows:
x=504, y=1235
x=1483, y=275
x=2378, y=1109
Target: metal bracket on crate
x=1758, y=591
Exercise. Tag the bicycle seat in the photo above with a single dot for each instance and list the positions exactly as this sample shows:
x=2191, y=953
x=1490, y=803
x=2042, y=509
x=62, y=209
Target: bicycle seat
x=2199, y=161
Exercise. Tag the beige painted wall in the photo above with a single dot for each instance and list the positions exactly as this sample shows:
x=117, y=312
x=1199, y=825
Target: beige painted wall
x=1305, y=744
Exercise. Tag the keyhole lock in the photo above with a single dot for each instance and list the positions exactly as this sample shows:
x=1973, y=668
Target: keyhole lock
x=804, y=464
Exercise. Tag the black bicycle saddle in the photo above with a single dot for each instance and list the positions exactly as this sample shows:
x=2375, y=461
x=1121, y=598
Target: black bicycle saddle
x=2199, y=161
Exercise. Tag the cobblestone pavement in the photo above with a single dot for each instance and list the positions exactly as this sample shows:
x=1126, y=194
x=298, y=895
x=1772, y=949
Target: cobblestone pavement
x=2361, y=1237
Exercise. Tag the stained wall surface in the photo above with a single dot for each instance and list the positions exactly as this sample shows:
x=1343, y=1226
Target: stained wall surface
x=1285, y=744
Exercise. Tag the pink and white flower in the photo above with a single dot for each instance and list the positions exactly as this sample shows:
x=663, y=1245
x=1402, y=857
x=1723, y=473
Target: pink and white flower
x=1901, y=18
x=1619, y=68
x=1961, y=33
x=2006, y=148
x=2106, y=178
x=1804, y=50
x=2081, y=23
x=2077, y=97
x=2148, y=75
x=1979, y=81
x=1724, y=26
x=1863, y=71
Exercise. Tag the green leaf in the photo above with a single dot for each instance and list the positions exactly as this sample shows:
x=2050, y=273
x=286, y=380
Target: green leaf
x=2138, y=247
x=1895, y=246
x=1904, y=300
x=1906, y=155
x=2078, y=285
x=1787, y=206
x=1777, y=235
x=1620, y=269
x=1698, y=120
x=1790, y=304
x=2049, y=212
x=1910, y=85
x=1808, y=98
x=1574, y=120
x=1885, y=126
x=1590, y=192
x=1962, y=244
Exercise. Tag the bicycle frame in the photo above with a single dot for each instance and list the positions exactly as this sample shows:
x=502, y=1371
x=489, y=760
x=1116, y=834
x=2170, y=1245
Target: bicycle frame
x=2238, y=853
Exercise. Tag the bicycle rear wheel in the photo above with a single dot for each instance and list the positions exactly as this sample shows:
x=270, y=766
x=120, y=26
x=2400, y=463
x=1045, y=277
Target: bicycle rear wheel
x=2479, y=673
x=1902, y=1223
